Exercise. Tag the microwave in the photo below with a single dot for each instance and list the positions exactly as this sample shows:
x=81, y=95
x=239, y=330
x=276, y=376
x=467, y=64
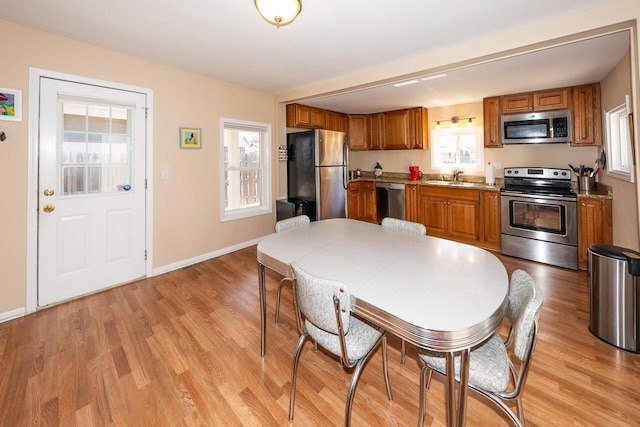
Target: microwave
x=548, y=127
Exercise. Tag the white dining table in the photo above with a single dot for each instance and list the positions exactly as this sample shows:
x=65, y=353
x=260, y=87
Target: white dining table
x=434, y=293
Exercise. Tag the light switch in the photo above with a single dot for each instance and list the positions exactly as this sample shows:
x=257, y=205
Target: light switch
x=164, y=174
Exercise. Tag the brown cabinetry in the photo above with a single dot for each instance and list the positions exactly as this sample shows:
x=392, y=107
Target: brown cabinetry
x=518, y=103
x=418, y=128
x=583, y=101
x=354, y=208
x=375, y=131
x=587, y=124
x=395, y=125
x=361, y=201
x=335, y=121
x=451, y=213
x=357, y=125
x=594, y=226
x=557, y=99
x=411, y=202
x=491, y=219
x=305, y=116
x=491, y=111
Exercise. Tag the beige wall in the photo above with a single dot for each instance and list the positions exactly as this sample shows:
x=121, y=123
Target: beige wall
x=186, y=206
x=625, y=214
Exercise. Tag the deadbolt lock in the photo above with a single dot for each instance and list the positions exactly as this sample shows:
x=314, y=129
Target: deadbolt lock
x=48, y=192
x=48, y=208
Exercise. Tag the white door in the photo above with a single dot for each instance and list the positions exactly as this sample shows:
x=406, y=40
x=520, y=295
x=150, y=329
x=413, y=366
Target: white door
x=91, y=189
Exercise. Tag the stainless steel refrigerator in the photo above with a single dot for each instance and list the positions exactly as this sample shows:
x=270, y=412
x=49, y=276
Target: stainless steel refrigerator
x=317, y=172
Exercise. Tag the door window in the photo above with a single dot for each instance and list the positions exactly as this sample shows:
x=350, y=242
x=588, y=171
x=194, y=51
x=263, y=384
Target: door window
x=96, y=148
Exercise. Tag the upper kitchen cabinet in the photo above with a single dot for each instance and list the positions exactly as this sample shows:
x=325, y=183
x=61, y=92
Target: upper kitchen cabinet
x=555, y=99
x=375, y=131
x=520, y=103
x=304, y=116
x=335, y=121
x=491, y=111
x=402, y=129
x=418, y=128
x=395, y=126
x=587, y=123
x=357, y=133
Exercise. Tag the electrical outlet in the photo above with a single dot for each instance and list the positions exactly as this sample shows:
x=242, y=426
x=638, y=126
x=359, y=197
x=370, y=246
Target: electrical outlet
x=164, y=174
x=497, y=166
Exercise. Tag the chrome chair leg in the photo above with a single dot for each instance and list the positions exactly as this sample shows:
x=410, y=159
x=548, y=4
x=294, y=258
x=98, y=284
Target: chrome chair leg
x=385, y=368
x=294, y=374
x=282, y=282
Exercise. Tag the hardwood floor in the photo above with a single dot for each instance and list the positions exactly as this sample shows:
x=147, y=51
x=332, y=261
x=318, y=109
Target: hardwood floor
x=183, y=348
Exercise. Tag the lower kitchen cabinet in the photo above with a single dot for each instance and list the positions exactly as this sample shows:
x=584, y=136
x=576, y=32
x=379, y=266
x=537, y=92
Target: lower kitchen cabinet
x=491, y=231
x=595, y=226
x=361, y=201
x=450, y=213
x=354, y=201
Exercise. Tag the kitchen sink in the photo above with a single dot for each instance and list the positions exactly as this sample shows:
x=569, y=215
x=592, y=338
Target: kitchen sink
x=452, y=183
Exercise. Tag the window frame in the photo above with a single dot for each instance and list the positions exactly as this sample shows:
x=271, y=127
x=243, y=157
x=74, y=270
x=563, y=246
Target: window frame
x=265, y=170
x=458, y=131
x=619, y=143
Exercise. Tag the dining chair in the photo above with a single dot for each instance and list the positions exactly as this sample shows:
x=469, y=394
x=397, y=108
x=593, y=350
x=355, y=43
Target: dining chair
x=411, y=227
x=490, y=367
x=283, y=225
x=324, y=314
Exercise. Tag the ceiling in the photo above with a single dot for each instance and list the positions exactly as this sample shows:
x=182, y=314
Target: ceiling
x=332, y=39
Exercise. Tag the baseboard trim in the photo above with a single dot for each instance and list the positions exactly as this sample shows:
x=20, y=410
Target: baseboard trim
x=22, y=311
x=204, y=257
x=13, y=314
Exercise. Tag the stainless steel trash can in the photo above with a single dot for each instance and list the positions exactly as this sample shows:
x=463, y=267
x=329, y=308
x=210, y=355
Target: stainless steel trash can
x=614, y=295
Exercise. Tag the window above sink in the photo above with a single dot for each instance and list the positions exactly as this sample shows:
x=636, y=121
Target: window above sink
x=457, y=148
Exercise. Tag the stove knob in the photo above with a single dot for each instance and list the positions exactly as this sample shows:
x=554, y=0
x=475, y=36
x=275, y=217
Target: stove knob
x=555, y=173
x=516, y=171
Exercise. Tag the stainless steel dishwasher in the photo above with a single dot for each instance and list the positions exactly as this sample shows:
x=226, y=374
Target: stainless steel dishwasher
x=390, y=200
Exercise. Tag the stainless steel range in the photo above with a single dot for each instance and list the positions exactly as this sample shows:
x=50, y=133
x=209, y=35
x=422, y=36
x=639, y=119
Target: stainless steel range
x=539, y=216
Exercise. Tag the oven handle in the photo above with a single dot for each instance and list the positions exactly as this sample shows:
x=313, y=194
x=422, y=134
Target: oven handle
x=536, y=196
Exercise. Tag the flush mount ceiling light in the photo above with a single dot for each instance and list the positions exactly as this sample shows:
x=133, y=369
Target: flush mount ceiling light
x=279, y=12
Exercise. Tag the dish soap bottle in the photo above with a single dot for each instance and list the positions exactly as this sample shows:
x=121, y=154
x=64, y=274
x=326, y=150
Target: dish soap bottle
x=377, y=170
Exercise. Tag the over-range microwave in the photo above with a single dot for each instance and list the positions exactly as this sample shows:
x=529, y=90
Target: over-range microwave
x=548, y=127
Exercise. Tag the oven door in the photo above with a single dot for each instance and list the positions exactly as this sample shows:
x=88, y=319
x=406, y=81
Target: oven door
x=540, y=217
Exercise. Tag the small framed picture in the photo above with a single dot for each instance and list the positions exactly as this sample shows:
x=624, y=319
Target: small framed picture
x=10, y=104
x=190, y=138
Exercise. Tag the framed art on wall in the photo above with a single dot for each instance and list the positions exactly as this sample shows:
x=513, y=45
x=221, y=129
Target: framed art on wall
x=10, y=104
x=190, y=138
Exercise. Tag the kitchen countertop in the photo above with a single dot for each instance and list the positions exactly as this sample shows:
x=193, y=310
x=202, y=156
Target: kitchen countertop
x=467, y=182
x=434, y=180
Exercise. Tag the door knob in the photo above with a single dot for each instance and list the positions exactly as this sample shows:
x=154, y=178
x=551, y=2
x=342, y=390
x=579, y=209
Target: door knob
x=48, y=208
x=48, y=192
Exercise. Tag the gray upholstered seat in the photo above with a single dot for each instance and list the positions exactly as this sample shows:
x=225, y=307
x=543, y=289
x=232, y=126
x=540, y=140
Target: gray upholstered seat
x=411, y=227
x=283, y=225
x=489, y=364
x=324, y=314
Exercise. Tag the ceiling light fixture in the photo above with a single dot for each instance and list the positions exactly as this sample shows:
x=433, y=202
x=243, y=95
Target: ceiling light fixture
x=455, y=120
x=434, y=76
x=405, y=83
x=279, y=12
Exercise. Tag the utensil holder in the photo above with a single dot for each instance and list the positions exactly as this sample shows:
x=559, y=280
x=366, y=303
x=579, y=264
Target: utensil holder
x=587, y=183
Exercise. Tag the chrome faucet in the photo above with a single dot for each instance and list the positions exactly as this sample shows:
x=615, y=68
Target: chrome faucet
x=456, y=174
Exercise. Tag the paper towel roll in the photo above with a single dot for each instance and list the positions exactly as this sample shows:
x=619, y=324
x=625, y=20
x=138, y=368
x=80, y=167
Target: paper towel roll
x=490, y=178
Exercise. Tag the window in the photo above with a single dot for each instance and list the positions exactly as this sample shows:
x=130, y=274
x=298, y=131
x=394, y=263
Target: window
x=246, y=169
x=457, y=148
x=620, y=163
